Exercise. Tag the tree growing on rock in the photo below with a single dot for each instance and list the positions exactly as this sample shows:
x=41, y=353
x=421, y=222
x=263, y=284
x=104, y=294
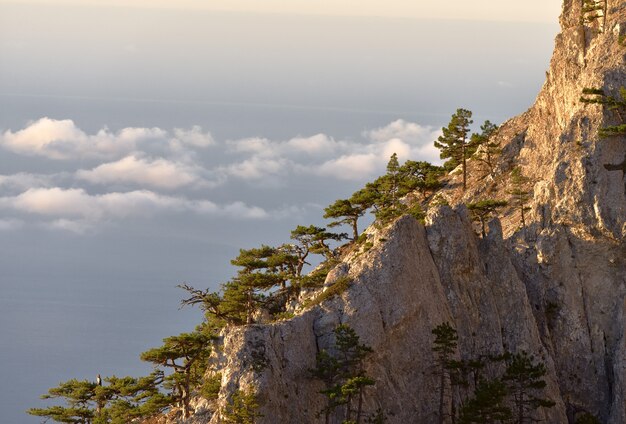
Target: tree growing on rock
x=524, y=379
x=455, y=144
x=185, y=354
x=444, y=346
x=487, y=405
x=344, y=377
x=242, y=408
x=483, y=210
x=485, y=147
x=422, y=176
x=520, y=192
x=346, y=211
x=612, y=103
x=118, y=401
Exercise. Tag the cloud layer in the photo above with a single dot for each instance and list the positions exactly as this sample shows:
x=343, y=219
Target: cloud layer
x=143, y=172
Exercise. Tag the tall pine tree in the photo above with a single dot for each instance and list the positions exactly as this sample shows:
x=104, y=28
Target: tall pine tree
x=454, y=143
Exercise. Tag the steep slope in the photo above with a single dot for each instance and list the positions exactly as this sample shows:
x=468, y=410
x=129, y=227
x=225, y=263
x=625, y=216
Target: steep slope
x=556, y=288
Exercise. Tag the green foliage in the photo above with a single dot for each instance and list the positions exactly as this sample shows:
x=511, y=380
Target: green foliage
x=312, y=240
x=337, y=288
x=587, y=418
x=487, y=405
x=612, y=103
x=346, y=211
x=186, y=354
x=591, y=10
x=454, y=143
x=422, y=176
x=377, y=417
x=444, y=346
x=317, y=277
x=484, y=209
x=118, y=402
x=520, y=192
x=612, y=131
x=484, y=148
x=511, y=397
x=242, y=408
x=524, y=379
x=343, y=375
x=211, y=386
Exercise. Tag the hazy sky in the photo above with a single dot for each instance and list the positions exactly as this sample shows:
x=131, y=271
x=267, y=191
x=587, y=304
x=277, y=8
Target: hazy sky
x=141, y=146
x=492, y=10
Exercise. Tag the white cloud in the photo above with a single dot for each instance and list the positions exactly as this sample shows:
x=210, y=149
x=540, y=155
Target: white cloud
x=317, y=145
x=76, y=210
x=265, y=160
x=350, y=167
x=158, y=173
x=257, y=167
x=193, y=137
x=408, y=139
x=62, y=140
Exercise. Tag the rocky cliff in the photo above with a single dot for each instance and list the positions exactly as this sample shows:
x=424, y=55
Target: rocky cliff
x=556, y=287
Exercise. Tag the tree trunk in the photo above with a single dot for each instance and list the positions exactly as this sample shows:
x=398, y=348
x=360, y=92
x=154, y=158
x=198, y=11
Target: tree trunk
x=349, y=408
x=463, y=153
x=359, y=410
x=355, y=231
x=442, y=382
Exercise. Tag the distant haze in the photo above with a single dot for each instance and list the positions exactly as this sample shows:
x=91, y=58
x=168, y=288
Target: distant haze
x=143, y=146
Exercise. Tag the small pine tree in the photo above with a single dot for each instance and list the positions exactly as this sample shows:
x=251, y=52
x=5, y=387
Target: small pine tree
x=186, y=355
x=587, y=418
x=422, y=176
x=343, y=375
x=119, y=401
x=344, y=211
x=444, y=347
x=485, y=209
x=454, y=143
x=520, y=192
x=487, y=405
x=524, y=379
x=484, y=147
x=242, y=408
x=612, y=103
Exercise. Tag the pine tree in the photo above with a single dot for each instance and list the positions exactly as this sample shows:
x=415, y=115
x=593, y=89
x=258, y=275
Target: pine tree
x=259, y=273
x=485, y=209
x=454, y=143
x=524, y=379
x=344, y=211
x=185, y=355
x=242, y=408
x=119, y=401
x=487, y=405
x=520, y=192
x=343, y=375
x=483, y=146
x=80, y=399
x=422, y=176
x=444, y=347
x=312, y=240
x=612, y=103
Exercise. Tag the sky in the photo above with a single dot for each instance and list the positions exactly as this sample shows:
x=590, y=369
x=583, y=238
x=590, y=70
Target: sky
x=142, y=143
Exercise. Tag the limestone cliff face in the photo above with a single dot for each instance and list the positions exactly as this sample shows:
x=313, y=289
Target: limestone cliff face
x=556, y=288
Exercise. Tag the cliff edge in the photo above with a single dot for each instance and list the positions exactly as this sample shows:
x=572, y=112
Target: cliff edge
x=555, y=287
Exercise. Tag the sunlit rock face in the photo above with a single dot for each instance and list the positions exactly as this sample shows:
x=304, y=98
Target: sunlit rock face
x=555, y=288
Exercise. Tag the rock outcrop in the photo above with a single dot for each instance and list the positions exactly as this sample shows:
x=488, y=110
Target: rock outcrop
x=556, y=288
